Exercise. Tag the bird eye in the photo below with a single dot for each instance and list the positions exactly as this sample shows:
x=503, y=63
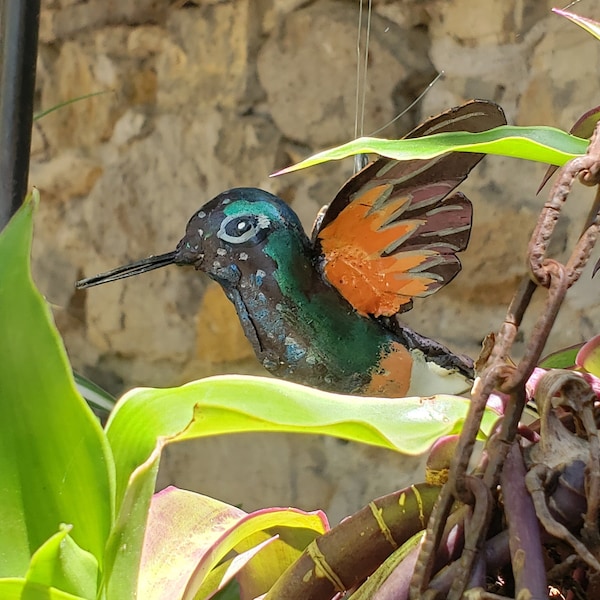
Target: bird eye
x=239, y=229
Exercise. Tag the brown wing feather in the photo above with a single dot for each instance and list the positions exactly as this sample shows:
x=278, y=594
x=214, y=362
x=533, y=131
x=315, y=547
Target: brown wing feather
x=393, y=231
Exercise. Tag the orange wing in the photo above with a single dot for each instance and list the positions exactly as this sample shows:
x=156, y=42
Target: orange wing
x=392, y=232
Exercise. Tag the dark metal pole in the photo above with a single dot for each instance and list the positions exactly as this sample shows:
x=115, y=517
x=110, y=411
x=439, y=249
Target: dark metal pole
x=19, y=26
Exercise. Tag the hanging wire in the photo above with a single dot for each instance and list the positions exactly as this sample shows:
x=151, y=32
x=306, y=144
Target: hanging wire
x=418, y=99
x=362, y=67
x=361, y=160
x=365, y=69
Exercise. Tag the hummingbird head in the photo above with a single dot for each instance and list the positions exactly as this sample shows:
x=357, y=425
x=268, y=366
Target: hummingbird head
x=232, y=230
x=227, y=232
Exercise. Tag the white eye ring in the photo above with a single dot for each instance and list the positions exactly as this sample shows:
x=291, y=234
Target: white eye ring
x=237, y=229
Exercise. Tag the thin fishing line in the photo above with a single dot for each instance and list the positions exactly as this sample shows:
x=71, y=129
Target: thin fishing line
x=365, y=69
x=358, y=65
x=361, y=160
x=571, y=4
x=418, y=99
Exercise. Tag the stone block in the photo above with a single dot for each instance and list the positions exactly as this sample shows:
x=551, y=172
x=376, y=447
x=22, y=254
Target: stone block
x=69, y=175
x=307, y=68
x=208, y=60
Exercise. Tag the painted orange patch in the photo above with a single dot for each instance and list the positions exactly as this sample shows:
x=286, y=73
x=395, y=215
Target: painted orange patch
x=392, y=378
x=353, y=244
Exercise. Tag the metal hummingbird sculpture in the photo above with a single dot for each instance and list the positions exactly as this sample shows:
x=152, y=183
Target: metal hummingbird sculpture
x=324, y=311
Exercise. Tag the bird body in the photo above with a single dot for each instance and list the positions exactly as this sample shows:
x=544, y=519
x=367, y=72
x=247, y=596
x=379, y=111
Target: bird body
x=292, y=316
x=323, y=312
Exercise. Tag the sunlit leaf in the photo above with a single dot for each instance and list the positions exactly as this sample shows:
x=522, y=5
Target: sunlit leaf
x=542, y=144
x=182, y=527
x=61, y=563
x=20, y=589
x=140, y=426
x=189, y=535
x=54, y=460
x=583, y=128
x=237, y=403
x=231, y=569
x=288, y=532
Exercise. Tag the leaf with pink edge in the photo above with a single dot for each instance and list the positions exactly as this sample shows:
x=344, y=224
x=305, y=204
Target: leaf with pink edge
x=589, y=25
x=197, y=544
x=589, y=356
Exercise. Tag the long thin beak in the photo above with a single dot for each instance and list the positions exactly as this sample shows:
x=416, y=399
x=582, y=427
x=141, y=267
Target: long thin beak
x=135, y=268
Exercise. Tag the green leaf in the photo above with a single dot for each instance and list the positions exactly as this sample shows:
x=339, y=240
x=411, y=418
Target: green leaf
x=589, y=25
x=141, y=425
x=124, y=546
x=54, y=458
x=16, y=588
x=231, y=569
x=583, y=128
x=238, y=403
x=282, y=534
x=542, y=144
x=561, y=359
x=230, y=592
x=61, y=563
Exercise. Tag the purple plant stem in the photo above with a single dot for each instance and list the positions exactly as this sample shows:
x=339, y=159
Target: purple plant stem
x=524, y=531
x=478, y=573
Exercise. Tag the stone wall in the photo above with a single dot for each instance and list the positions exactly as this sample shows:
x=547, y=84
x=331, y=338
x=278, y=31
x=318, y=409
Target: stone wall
x=206, y=95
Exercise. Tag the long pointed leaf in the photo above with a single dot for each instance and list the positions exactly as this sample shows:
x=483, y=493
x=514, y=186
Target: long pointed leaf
x=542, y=144
x=54, y=460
